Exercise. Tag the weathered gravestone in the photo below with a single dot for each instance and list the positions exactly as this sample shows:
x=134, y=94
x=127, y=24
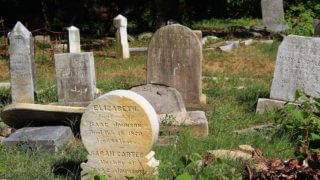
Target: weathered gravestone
x=273, y=15
x=22, y=66
x=74, y=39
x=297, y=68
x=119, y=129
x=175, y=59
x=122, y=46
x=316, y=28
x=169, y=105
x=76, y=79
x=49, y=138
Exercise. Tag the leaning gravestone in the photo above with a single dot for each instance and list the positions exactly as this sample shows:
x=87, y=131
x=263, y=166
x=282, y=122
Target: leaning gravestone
x=76, y=79
x=175, y=59
x=273, y=15
x=119, y=129
x=297, y=68
x=22, y=66
x=122, y=46
x=74, y=39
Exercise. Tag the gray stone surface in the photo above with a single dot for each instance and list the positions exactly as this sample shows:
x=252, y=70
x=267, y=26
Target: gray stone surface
x=49, y=138
x=273, y=15
x=22, y=115
x=74, y=39
x=198, y=33
x=297, y=67
x=175, y=59
x=138, y=50
x=122, y=46
x=229, y=46
x=76, y=79
x=22, y=67
x=195, y=121
x=260, y=128
x=163, y=99
x=269, y=105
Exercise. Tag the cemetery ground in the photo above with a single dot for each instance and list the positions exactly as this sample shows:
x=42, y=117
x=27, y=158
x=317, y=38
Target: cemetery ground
x=233, y=82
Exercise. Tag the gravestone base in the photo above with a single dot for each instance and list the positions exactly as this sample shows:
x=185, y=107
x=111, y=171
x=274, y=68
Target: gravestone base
x=149, y=168
x=268, y=105
x=48, y=138
x=195, y=121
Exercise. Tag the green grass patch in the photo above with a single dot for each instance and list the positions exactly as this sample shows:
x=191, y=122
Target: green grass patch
x=226, y=23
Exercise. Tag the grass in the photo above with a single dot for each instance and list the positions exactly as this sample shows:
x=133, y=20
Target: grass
x=226, y=23
x=233, y=82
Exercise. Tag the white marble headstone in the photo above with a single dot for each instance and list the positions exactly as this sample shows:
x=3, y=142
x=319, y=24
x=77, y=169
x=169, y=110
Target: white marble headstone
x=22, y=65
x=74, y=39
x=122, y=46
x=297, y=67
x=118, y=130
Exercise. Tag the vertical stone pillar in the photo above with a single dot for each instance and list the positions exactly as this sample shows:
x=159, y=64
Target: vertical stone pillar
x=122, y=46
x=74, y=39
x=22, y=65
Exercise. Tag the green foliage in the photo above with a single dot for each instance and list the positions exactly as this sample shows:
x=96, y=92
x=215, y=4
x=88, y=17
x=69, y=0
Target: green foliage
x=47, y=95
x=5, y=96
x=303, y=122
x=226, y=23
x=269, y=49
x=300, y=19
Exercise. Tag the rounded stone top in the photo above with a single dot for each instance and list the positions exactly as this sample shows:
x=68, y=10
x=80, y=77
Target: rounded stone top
x=120, y=21
x=120, y=119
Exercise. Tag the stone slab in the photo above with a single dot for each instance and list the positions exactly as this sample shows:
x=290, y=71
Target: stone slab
x=138, y=50
x=195, y=121
x=297, y=68
x=269, y=105
x=167, y=140
x=175, y=60
x=273, y=15
x=50, y=138
x=163, y=99
x=21, y=115
x=119, y=129
x=76, y=79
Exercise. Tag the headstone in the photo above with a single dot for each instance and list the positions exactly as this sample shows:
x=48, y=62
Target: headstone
x=169, y=105
x=198, y=33
x=297, y=67
x=74, y=39
x=20, y=115
x=122, y=46
x=22, y=65
x=76, y=79
x=316, y=28
x=162, y=98
x=48, y=138
x=175, y=59
x=42, y=39
x=119, y=129
x=273, y=15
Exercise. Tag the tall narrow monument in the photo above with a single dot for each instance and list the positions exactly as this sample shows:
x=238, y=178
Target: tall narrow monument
x=122, y=46
x=74, y=39
x=22, y=65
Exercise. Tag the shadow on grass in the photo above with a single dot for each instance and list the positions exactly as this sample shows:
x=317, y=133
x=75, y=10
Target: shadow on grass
x=67, y=169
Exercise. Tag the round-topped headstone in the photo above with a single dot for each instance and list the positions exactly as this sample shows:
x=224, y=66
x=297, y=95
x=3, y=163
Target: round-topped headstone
x=119, y=129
